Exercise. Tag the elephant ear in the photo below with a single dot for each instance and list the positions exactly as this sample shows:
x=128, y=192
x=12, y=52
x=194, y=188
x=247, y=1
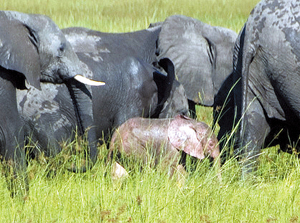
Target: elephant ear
x=193, y=55
x=164, y=83
x=224, y=40
x=183, y=136
x=19, y=52
x=177, y=102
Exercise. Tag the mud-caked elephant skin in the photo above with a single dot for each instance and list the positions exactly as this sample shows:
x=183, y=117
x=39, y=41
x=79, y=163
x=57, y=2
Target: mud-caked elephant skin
x=33, y=48
x=134, y=87
x=165, y=138
x=266, y=63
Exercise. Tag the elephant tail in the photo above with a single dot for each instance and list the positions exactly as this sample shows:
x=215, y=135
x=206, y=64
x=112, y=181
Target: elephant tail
x=241, y=62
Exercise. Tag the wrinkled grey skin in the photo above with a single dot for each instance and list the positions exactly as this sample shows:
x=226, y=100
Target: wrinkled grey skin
x=48, y=116
x=202, y=55
x=163, y=139
x=32, y=47
x=133, y=88
x=139, y=44
x=266, y=60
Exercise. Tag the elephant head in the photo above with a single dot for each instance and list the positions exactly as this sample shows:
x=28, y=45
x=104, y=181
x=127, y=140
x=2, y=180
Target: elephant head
x=202, y=55
x=34, y=47
x=192, y=137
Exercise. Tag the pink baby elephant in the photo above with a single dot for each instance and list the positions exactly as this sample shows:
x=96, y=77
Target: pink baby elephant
x=164, y=138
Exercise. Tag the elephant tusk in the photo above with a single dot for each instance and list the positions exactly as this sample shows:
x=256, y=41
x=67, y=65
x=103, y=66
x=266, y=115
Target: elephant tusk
x=87, y=81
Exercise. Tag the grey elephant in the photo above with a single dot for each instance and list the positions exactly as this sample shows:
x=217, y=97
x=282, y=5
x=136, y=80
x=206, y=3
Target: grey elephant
x=133, y=67
x=266, y=66
x=134, y=87
x=101, y=51
x=34, y=49
x=163, y=139
x=201, y=53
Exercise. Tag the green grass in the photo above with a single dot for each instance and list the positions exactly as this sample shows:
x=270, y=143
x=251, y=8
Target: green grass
x=150, y=196
x=129, y=15
x=272, y=194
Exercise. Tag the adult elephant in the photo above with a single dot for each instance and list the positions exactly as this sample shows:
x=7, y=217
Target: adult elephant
x=133, y=69
x=266, y=63
x=134, y=87
x=201, y=53
x=34, y=49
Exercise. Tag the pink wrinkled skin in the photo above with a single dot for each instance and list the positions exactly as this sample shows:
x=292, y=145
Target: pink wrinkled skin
x=165, y=138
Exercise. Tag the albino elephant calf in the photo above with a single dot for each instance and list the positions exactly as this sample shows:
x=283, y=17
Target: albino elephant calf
x=163, y=139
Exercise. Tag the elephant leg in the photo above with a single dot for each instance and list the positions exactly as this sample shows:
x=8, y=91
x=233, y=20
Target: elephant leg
x=254, y=129
x=181, y=175
x=224, y=116
x=15, y=172
x=170, y=161
x=12, y=139
x=192, y=109
x=12, y=148
x=226, y=137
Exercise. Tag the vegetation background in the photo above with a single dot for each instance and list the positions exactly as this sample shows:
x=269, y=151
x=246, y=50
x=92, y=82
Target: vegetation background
x=148, y=195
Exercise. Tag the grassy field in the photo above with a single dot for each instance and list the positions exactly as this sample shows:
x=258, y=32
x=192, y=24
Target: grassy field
x=56, y=195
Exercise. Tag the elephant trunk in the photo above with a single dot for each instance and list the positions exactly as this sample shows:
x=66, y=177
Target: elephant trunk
x=217, y=161
x=212, y=149
x=82, y=101
x=216, y=156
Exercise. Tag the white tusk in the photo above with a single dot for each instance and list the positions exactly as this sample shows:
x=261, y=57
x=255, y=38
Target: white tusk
x=87, y=81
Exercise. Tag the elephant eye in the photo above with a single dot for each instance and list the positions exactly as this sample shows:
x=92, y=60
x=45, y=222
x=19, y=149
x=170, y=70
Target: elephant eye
x=62, y=47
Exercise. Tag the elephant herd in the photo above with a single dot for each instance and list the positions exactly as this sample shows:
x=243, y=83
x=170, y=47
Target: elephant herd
x=58, y=81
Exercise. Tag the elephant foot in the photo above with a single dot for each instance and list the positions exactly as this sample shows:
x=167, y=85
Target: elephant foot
x=181, y=175
x=118, y=172
x=248, y=170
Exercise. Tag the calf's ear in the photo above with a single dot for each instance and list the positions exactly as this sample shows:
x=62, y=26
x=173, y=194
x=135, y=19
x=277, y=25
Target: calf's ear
x=183, y=136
